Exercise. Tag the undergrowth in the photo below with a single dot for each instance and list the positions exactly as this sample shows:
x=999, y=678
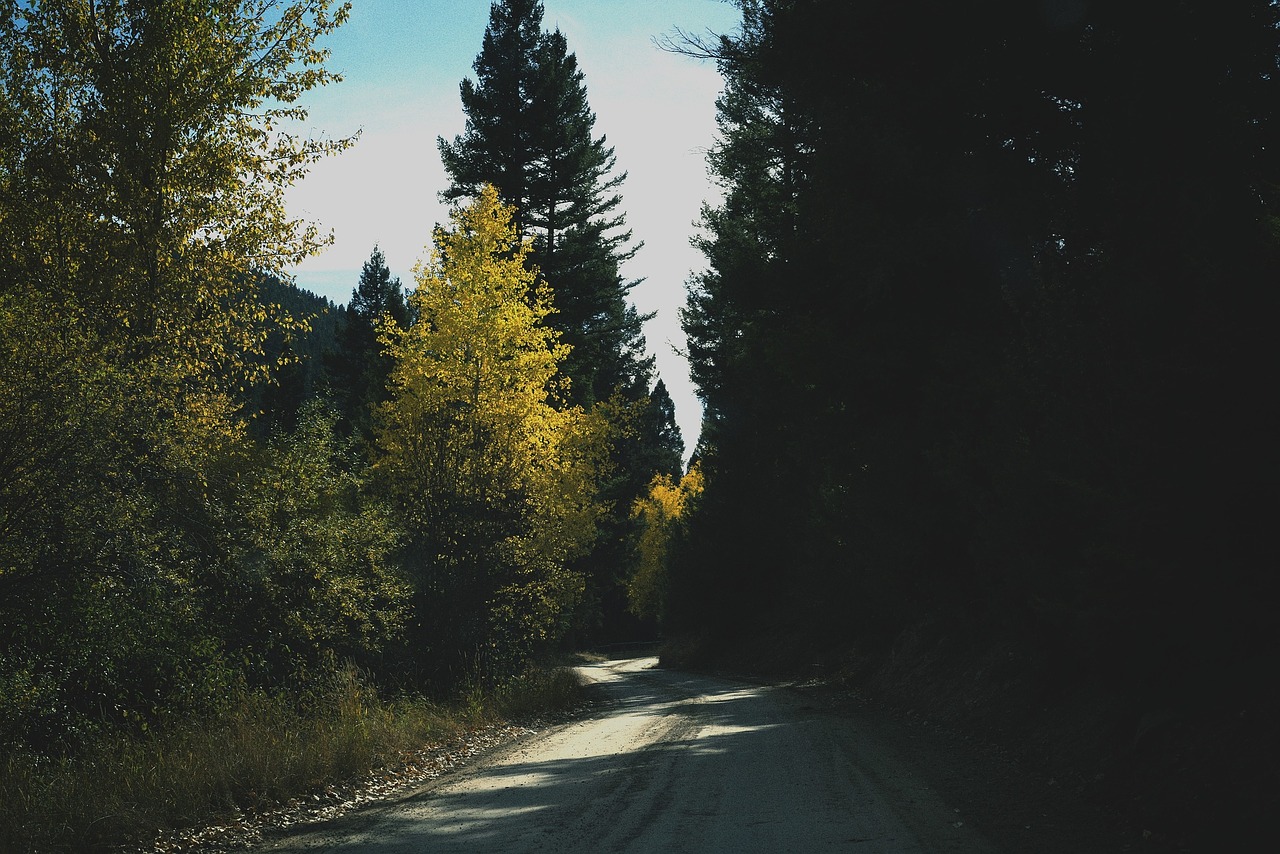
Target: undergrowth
x=266, y=750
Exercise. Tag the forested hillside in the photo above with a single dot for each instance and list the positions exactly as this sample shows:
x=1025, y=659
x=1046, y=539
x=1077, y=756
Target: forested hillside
x=985, y=343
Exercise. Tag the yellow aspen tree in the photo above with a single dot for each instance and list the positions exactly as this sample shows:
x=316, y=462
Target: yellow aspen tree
x=660, y=512
x=485, y=463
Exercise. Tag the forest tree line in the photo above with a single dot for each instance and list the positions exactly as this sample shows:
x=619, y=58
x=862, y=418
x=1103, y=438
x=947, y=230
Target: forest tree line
x=214, y=483
x=985, y=340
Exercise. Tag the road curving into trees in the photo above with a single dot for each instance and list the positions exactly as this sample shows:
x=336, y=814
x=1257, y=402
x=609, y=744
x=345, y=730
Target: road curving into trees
x=670, y=762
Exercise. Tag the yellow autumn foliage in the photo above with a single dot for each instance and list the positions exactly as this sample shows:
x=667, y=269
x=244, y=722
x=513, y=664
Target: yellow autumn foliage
x=142, y=185
x=660, y=512
x=475, y=430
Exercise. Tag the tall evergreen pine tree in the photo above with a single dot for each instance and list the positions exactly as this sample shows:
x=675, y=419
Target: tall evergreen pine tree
x=359, y=369
x=659, y=421
x=529, y=133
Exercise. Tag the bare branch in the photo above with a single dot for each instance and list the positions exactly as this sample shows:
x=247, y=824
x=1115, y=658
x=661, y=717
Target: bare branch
x=708, y=46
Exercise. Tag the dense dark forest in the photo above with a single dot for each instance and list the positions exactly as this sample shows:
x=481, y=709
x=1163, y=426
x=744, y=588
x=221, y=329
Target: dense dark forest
x=983, y=341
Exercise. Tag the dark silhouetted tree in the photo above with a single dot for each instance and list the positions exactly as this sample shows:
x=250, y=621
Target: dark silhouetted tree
x=359, y=368
x=529, y=133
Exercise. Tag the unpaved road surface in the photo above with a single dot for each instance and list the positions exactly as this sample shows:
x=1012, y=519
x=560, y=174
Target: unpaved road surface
x=671, y=762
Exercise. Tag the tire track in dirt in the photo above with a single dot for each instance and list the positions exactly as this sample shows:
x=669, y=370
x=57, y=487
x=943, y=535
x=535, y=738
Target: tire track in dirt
x=670, y=762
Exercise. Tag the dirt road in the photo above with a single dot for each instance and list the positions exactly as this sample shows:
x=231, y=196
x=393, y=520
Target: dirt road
x=671, y=762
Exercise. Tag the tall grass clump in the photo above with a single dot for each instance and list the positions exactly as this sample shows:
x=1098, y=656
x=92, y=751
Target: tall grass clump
x=538, y=691
x=265, y=750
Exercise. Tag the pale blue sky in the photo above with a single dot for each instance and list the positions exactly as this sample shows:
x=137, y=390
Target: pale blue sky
x=403, y=60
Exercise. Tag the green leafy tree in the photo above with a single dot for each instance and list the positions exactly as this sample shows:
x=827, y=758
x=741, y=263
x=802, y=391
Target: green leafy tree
x=141, y=197
x=307, y=551
x=147, y=167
